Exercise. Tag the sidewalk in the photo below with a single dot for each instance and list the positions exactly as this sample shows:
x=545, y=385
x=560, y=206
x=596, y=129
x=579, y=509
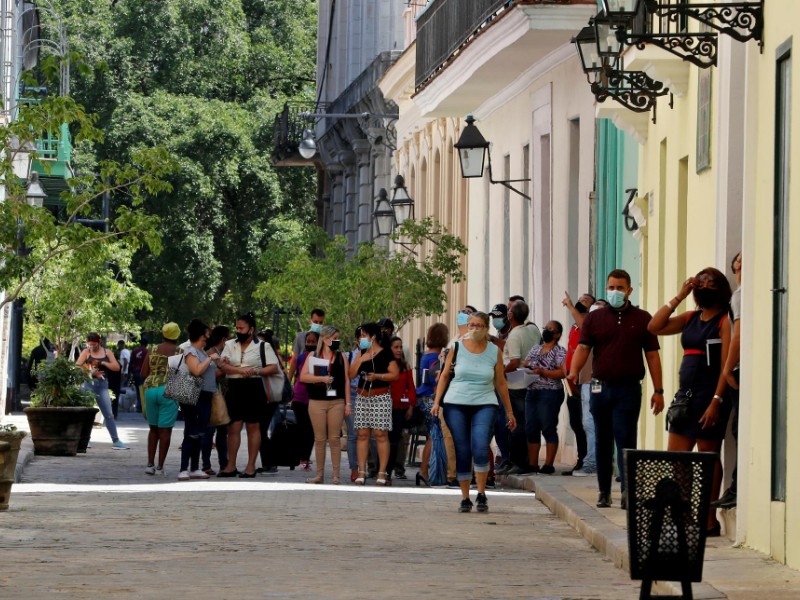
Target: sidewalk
x=729, y=572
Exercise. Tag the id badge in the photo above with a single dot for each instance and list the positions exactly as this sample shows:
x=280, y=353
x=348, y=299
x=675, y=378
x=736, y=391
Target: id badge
x=404, y=400
x=597, y=386
x=331, y=393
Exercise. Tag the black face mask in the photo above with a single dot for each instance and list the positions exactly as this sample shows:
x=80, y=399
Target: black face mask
x=581, y=307
x=548, y=336
x=310, y=348
x=242, y=337
x=335, y=345
x=705, y=297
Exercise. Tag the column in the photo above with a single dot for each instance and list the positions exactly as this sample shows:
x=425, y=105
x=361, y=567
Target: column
x=365, y=191
x=336, y=200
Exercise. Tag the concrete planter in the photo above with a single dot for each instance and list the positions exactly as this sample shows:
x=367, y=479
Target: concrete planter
x=14, y=440
x=86, y=429
x=56, y=431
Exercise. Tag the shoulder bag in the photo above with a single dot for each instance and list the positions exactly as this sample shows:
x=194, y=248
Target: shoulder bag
x=678, y=412
x=182, y=386
x=277, y=385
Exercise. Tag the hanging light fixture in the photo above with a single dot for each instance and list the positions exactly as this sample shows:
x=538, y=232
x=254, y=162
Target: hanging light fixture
x=472, y=148
x=307, y=147
x=402, y=204
x=34, y=192
x=383, y=215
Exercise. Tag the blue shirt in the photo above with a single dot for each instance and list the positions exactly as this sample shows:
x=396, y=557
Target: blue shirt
x=425, y=363
x=473, y=384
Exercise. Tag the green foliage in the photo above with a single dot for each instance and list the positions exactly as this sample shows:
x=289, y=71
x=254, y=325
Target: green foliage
x=370, y=283
x=60, y=385
x=203, y=79
x=87, y=291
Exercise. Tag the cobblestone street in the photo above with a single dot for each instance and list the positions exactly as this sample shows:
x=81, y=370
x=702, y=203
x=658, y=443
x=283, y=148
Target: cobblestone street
x=96, y=526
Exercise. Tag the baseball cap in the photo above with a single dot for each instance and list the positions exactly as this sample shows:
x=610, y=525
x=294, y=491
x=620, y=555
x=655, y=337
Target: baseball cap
x=171, y=331
x=499, y=311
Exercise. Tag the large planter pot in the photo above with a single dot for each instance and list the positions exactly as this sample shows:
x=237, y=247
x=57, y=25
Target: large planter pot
x=5, y=483
x=56, y=431
x=86, y=430
x=14, y=440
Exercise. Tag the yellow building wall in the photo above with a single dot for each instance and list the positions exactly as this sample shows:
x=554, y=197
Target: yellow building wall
x=771, y=527
x=681, y=233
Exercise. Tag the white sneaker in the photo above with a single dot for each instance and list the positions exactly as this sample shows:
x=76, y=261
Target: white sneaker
x=183, y=476
x=150, y=470
x=584, y=473
x=198, y=474
x=159, y=472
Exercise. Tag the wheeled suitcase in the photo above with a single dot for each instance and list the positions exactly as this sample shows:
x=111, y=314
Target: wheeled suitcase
x=285, y=438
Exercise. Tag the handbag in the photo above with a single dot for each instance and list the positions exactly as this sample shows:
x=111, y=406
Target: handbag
x=678, y=411
x=219, y=410
x=182, y=386
x=277, y=385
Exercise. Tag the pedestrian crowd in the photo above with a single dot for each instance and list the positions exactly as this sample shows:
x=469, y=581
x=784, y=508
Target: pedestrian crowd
x=499, y=377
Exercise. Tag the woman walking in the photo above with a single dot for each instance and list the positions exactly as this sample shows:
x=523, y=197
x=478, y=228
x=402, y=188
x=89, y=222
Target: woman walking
x=161, y=412
x=326, y=375
x=195, y=417
x=705, y=337
x=376, y=368
x=544, y=398
x=435, y=341
x=471, y=405
x=246, y=397
x=99, y=362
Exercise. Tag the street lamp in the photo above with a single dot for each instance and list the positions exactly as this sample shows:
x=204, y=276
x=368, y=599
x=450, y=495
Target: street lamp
x=34, y=193
x=402, y=204
x=383, y=215
x=472, y=152
x=308, y=147
x=624, y=9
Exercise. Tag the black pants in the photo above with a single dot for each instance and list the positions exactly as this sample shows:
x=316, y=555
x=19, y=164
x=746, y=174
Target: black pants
x=395, y=435
x=266, y=448
x=575, y=409
x=304, y=430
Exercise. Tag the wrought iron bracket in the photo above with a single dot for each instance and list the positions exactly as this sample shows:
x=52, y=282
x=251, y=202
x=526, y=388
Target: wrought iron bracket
x=635, y=90
x=506, y=182
x=742, y=21
x=629, y=222
x=700, y=49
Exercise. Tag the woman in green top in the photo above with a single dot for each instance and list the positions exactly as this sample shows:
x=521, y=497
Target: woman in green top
x=161, y=412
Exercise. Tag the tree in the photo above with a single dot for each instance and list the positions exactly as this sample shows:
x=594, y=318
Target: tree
x=31, y=237
x=370, y=284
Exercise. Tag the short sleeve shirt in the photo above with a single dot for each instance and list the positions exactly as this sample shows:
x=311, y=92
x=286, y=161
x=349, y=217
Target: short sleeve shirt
x=618, y=339
x=549, y=361
x=519, y=342
x=250, y=358
x=736, y=304
x=125, y=359
x=210, y=374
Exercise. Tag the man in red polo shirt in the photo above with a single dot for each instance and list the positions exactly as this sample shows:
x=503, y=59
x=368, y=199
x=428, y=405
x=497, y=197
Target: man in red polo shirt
x=620, y=341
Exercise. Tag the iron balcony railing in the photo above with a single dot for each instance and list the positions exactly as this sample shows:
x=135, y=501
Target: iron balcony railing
x=287, y=131
x=445, y=27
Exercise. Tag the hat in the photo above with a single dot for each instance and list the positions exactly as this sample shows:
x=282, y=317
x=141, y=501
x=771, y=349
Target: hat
x=499, y=311
x=171, y=331
x=386, y=322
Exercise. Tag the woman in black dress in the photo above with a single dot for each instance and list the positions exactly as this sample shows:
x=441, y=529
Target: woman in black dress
x=705, y=337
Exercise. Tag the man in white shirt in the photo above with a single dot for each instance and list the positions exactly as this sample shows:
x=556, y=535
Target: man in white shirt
x=124, y=361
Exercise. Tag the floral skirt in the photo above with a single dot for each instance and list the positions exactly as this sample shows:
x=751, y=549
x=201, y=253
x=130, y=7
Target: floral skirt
x=373, y=412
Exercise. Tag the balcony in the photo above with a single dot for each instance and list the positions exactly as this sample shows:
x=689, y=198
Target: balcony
x=469, y=51
x=287, y=133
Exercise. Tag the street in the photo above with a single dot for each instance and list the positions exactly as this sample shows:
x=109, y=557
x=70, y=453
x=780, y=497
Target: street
x=95, y=526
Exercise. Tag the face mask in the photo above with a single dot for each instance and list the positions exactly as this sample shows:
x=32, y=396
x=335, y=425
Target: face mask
x=310, y=348
x=364, y=343
x=476, y=334
x=595, y=307
x=615, y=298
x=581, y=307
x=335, y=345
x=315, y=327
x=462, y=319
x=242, y=337
x=499, y=323
x=705, y=297
x=547, y=336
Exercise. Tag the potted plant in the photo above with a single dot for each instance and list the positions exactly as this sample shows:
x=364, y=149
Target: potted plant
x=10, y=441
x=61, y=412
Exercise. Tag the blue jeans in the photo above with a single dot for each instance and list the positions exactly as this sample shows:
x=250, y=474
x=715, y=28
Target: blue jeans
x=195, y=426
x=541, y=415
x=589, y=461
x=472, y=428
x=616, y=417
x=99, y=387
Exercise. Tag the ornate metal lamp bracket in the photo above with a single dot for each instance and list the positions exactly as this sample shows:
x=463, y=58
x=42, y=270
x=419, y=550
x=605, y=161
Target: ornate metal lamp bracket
x=742, y=21
x=635, y=90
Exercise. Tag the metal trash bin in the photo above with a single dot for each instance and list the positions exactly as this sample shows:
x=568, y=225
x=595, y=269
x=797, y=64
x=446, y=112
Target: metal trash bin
x=668, y=496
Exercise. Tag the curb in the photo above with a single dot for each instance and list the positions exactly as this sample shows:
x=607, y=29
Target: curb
x=24, y=458
x=608, y=538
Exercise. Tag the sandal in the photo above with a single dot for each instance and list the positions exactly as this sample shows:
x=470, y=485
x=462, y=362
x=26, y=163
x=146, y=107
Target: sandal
x=317, y=479
x=362, y=478
x=381, y=480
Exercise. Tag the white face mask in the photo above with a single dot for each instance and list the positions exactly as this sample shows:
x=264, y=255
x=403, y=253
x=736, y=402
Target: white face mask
x=595, y=307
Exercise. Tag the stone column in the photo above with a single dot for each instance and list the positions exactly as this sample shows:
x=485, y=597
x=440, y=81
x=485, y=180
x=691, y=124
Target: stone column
x=336, y=200
x=348, y=159
x=365, y=191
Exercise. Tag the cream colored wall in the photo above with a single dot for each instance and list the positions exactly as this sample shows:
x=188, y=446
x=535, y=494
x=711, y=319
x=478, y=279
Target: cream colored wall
x=779, y=538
